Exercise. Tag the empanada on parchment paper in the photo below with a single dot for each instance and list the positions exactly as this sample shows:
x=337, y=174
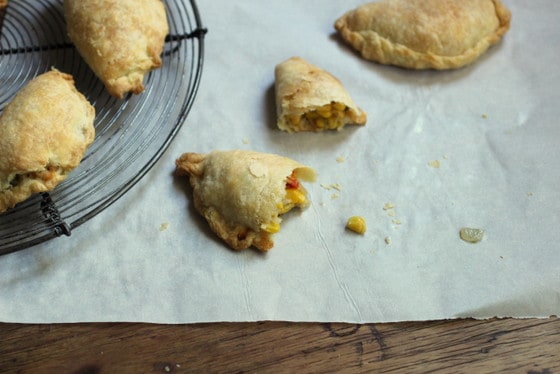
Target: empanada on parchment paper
x=242, y=193
x=424, y=34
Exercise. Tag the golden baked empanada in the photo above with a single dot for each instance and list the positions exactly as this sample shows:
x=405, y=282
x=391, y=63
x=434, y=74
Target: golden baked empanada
x=309, y=98
x=121, y=40
x=424, y=34
x=3, y=5
x=242, y=193
x=44, y=133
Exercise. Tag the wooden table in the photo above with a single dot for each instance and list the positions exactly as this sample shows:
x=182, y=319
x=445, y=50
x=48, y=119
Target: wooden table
x=530, y=346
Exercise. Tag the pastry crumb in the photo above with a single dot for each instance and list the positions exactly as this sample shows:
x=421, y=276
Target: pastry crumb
x=471, y=235
x=388, y=240
x=164, y=226
x=245, y=141
x=356, y=224
x=388, y=206
x=340, y=159
x=435, y=164
x=332, y=186
x=397, y=221
x=484, y=115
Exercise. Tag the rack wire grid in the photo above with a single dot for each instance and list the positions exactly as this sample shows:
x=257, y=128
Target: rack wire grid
x=131, y=134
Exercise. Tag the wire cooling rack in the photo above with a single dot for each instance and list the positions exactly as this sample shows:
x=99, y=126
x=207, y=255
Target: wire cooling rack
x=131, y=134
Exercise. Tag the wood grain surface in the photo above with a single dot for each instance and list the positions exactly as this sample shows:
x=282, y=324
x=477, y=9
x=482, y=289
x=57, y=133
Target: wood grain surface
x=529, y=346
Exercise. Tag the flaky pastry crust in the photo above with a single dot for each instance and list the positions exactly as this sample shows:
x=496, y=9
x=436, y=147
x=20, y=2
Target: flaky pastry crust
x=44, y=133
x=424, y=34
x=303, y=89
x=239, y=192
x=121, y=40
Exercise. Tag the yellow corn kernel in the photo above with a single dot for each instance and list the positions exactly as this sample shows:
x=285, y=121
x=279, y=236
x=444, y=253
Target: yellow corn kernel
x=333, y=123
x=294, y=119
x=296, y=196
x=272, y=227
x=313, y=115
x=338, y=114
x=356, y=224
x=324, y=111
x=284, y=208
x=339, y=106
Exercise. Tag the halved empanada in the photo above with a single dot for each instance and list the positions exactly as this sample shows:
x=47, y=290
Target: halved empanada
x=44, y=133
x=309, y=98
x=424, y=34
x=243, y=193
x=120, y=40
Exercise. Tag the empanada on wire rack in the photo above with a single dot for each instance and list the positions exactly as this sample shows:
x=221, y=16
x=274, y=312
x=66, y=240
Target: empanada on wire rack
x=44, y=133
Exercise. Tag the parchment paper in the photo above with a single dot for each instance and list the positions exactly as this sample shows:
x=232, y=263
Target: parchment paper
x=472, y=147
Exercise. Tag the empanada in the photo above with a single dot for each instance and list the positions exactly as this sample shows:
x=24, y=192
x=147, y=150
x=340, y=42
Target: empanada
x=424, y=34
x=3, y=5
x=242, y=193
x=309, y=98
x=44, y=133
x=121, y=40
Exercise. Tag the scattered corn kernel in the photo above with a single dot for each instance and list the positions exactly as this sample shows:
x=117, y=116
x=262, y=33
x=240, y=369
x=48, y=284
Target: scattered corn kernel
x=356, y=224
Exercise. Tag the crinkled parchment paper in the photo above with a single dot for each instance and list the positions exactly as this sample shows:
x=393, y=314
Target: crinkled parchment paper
x=476, y=147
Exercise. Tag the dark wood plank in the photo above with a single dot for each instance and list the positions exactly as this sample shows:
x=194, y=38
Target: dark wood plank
x=530, y=346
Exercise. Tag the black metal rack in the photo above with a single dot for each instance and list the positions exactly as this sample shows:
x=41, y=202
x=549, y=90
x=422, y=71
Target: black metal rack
x=131, y=134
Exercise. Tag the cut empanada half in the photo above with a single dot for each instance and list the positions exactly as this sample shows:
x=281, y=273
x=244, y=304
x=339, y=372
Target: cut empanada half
x=242, y=194
x=120, y=40
x=44, y=133
x=424, y=34
x=309, y=98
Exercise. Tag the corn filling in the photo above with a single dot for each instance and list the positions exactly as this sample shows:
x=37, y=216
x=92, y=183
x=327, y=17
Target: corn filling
x=295, y=196
x=327, y=117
